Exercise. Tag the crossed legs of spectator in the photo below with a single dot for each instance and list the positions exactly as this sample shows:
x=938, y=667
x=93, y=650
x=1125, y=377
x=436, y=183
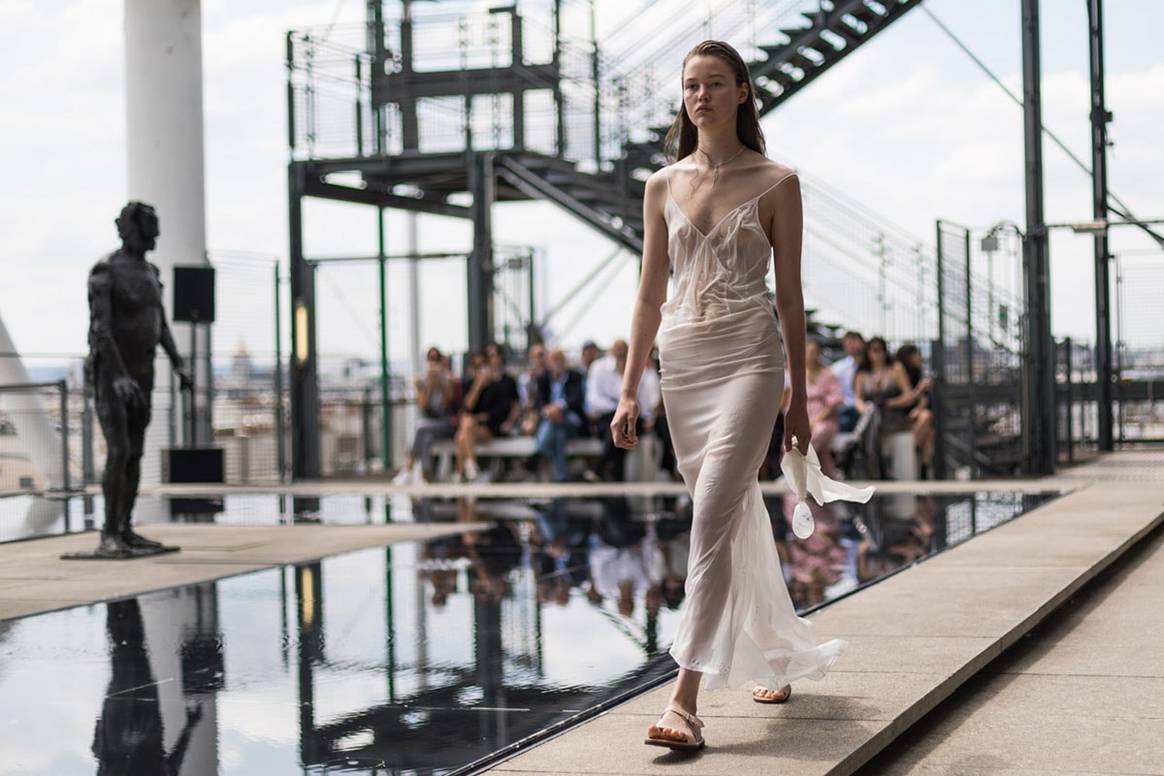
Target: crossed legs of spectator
x=470, y=433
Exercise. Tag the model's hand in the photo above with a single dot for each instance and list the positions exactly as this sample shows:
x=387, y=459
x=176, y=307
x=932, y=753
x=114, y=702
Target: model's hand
x=126, y=389
x=796, y=425
x=623, y=426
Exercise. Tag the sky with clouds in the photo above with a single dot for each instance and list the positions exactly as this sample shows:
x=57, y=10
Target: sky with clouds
x=907, y=125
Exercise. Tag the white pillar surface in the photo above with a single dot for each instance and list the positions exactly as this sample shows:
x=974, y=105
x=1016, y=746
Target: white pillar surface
x=163, y=81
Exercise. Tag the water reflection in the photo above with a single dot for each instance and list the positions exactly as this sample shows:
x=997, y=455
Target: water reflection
x=128, y=735
x=418, y=657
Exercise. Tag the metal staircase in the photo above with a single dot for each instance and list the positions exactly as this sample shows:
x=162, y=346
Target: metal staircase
x=413, y=111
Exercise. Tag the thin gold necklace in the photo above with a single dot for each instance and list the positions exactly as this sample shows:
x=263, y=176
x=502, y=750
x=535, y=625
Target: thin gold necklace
x=715, y=168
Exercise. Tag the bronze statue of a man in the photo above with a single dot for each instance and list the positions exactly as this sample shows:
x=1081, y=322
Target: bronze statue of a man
x=126, y=324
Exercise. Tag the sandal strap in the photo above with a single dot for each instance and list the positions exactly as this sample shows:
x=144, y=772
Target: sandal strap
x=687, y=715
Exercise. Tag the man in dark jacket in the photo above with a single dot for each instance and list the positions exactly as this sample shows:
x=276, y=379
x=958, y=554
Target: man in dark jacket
x=561, y=401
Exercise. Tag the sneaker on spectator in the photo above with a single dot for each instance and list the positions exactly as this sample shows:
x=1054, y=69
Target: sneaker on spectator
x=418, y=474
x=403, y=477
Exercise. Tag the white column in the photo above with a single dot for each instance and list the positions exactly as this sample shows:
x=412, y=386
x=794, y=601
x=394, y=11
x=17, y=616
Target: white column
x=163, y=63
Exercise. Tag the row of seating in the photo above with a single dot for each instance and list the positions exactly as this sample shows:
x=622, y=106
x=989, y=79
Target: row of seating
x=861, y=453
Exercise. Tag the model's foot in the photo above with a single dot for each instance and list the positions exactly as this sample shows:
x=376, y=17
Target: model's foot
x=673, y=727
x=764, y=695
x=113, y=546
x=139, y=542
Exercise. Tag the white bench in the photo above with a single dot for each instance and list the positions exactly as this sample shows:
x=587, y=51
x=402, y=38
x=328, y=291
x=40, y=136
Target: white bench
x=509, y=447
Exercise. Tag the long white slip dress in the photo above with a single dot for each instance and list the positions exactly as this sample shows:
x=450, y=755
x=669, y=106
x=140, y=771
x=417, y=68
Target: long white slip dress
x=721, y=364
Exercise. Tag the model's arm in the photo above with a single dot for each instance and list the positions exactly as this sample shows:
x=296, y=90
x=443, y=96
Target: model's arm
x=787, y=225
x=646, y=317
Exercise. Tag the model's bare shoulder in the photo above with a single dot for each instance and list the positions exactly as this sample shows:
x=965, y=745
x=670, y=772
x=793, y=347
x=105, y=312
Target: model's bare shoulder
x=778, y=172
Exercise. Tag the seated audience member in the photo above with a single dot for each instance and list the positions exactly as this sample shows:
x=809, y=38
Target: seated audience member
x=561, y=393
x=490, y=409
x=824, y=399
x=436, y=398
x=883, y=382
x=920, y=416
x=846, y=371
x=603, y=389
x=590, y=354
x=527, y=389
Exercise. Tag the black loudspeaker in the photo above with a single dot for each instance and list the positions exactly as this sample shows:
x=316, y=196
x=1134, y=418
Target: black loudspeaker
x=193, y=464
x=194, y=294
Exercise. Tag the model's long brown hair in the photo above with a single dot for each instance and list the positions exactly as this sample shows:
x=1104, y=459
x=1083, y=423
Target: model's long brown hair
x=683, y=135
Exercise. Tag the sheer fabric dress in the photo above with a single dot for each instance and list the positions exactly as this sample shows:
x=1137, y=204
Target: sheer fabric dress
x=722, y=367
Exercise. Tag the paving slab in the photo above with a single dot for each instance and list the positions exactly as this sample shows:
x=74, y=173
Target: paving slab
x=35, y=579
x=1083, y=692
x=914, y=639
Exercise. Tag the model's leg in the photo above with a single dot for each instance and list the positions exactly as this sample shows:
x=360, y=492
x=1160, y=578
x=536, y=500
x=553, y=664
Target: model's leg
x=685, y=696
x=719, y=451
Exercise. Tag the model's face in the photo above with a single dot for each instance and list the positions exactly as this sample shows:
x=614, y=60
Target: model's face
x=710, y=92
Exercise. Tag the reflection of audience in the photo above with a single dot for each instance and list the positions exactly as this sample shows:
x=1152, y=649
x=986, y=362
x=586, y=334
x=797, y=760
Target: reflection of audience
x=817, y=562
x=490, y=409
x=560, y=400
x=824, y=398
x=436, y=397
x=603, y=390
x=128, y=738
x=900, y=543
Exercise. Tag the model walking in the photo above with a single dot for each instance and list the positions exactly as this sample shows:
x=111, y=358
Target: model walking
x=712, y=219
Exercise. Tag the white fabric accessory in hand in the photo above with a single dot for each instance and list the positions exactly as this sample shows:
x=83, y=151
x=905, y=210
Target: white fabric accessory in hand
x=803, y=474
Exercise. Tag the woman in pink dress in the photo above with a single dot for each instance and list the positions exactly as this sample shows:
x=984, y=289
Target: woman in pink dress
x=824, y=402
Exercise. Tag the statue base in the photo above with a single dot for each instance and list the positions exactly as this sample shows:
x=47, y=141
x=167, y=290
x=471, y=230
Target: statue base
x=137, y=552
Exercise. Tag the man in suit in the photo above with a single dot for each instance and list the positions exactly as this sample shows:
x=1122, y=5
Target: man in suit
x=561, y=395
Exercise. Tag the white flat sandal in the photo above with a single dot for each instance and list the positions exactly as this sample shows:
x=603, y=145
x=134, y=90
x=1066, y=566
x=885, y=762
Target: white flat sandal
x=695, y=722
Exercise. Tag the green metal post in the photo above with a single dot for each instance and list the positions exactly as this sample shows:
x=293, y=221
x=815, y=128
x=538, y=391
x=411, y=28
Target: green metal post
x=385, y=399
